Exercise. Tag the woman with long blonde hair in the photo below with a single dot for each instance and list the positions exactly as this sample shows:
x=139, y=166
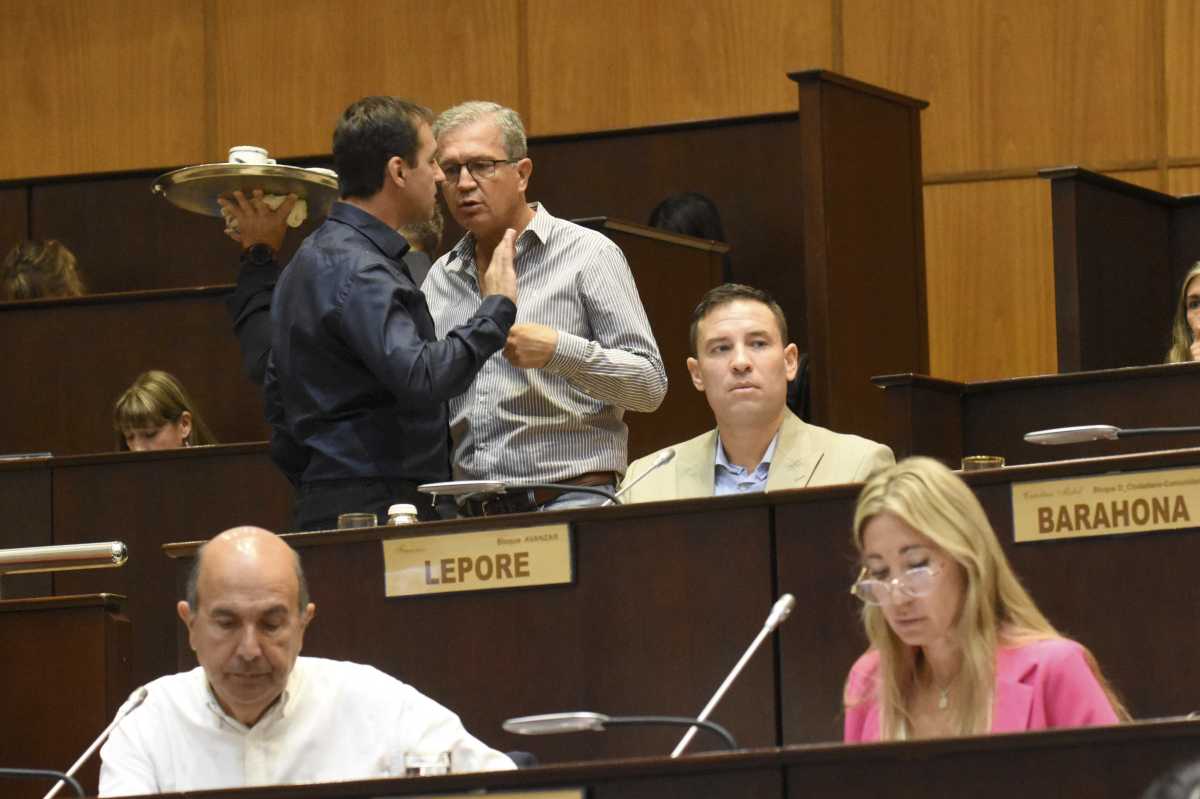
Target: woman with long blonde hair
x=957, y=646
x=1184, y=344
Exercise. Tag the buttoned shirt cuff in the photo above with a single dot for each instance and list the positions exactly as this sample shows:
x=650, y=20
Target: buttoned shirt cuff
x=570, y=355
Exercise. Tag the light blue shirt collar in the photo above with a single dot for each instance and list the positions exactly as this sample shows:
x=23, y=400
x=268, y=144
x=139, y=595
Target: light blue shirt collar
x=729, y=478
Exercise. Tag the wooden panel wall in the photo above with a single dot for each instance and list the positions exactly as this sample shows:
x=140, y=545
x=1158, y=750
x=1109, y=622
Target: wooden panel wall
x=1014, y=86
x=282, y=76
x=1182, y=81
x=989, y=288
x=96, y=85
x=626, y=63
x=14, y=217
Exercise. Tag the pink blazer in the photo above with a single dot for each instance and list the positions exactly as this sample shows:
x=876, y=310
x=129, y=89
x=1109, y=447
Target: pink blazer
x=1040, y=685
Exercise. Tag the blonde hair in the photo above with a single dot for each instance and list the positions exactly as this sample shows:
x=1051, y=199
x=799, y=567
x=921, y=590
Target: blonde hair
x=996, y=608
x=1181, y=333
x=39, y=269
x=156, y=398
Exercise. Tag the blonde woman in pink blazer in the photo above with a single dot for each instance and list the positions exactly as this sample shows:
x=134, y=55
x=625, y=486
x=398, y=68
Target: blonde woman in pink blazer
x=957, y=645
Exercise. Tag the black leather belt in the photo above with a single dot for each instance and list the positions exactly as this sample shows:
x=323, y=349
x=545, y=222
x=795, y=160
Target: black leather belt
x=531, y=499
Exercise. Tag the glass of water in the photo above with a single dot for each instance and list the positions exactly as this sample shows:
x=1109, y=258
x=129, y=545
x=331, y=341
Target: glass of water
x=426, y=764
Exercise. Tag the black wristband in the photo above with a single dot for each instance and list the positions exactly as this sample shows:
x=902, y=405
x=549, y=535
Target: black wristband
x=258, y=255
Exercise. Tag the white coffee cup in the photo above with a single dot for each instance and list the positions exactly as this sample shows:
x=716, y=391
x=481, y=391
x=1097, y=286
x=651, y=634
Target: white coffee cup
x=249, y=154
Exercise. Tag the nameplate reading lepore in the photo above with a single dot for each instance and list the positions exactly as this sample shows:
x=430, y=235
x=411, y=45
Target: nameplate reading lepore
x=511, y=558
x=1106, y=504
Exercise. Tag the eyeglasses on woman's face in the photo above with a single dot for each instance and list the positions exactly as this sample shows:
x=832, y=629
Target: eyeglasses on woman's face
x=914, y=583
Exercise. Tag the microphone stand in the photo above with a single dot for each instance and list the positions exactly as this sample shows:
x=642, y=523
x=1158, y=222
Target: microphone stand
x=683, y=721
x=36, y=773
x=131, y=705
x=780, y=611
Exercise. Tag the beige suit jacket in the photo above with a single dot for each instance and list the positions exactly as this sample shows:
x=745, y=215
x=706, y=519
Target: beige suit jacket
x=806, y=455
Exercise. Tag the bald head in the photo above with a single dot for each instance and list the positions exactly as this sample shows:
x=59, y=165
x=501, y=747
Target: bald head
x=249, y=553
x=246, y=614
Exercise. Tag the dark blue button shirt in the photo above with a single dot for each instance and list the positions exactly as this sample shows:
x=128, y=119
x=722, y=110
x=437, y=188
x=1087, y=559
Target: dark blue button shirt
x=357, y=381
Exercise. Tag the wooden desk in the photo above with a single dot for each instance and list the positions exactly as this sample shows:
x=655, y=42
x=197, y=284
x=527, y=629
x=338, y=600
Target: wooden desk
x=144, y=499
x=1101, y=763
x=1117, y=595
x=668, y=595
x=1120, y=254
x=64, y=673
x=947, y=420
x=75, y=356
x=664, y=603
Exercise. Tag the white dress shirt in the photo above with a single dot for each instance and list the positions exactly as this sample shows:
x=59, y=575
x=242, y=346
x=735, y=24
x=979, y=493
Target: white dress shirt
x=336, y=721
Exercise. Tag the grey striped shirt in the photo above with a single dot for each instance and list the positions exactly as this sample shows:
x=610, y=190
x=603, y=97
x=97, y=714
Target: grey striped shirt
x=563, y=420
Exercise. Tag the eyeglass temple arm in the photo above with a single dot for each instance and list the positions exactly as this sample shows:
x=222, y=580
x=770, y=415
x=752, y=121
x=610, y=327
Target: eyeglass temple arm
x=862, y=572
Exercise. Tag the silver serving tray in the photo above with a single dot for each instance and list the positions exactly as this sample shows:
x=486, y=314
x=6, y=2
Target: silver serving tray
x=196, y=188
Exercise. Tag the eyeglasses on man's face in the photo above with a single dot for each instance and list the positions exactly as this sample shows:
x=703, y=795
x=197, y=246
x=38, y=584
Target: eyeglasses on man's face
x=914, y=583
x=479, y=169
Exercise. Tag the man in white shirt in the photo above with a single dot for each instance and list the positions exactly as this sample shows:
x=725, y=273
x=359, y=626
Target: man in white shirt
x=253, y=712
x=742, y=361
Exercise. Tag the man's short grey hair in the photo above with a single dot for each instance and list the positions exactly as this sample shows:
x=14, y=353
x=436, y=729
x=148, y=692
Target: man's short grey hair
x=468, y=113
x=192, y=592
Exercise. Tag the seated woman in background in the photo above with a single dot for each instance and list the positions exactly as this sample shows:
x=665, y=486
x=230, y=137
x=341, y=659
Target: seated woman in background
x=1185, y=330
x=156, y=413
x=39, y=270
x=957, y=645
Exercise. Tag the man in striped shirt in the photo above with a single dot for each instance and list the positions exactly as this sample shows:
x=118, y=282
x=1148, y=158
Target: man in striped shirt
x=581, y=353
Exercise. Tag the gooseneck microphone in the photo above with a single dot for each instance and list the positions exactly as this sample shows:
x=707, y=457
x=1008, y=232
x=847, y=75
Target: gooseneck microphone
x=583, y=721
x=779, y=611
x=665, y=457
x=1101, y=432
x=131, y=704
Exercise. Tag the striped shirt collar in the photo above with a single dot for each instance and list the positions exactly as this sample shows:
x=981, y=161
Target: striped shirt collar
x=462, y=256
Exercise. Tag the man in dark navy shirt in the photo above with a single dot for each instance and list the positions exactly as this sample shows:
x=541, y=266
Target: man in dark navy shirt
x=357, y=382
x=261, y=231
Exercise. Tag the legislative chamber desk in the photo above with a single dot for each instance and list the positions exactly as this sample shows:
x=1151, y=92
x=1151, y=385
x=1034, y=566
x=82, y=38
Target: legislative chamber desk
x=70, y=359
x=144, y=499
x=947, y=419
x=1100, y=763
x=666, y=596
x=63, y=674
x=1120, y=254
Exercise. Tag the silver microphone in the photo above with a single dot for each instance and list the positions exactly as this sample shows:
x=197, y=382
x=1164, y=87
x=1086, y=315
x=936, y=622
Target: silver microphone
x=131, y=704
x=664, y=457
x=779, y=612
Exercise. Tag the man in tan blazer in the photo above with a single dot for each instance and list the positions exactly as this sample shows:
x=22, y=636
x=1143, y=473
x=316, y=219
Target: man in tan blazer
x=741, y=363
